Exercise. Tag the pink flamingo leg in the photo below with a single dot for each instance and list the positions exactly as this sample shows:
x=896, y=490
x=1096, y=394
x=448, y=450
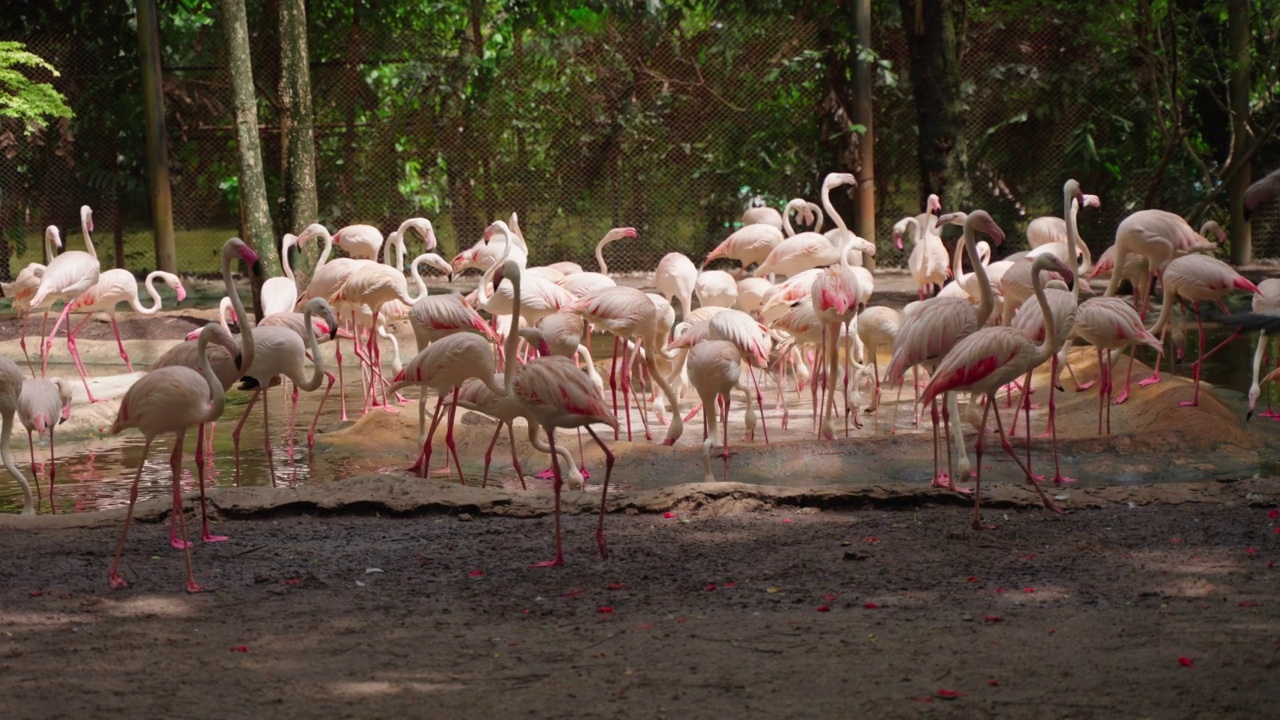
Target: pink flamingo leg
x=205, y=535
x=1128, y=378
x=1155, y=376
x=515, y=460
x=978, y=448
x=1195, y=368
x=626, y=384
x=311, y=432
x=119, y=343
x=488, y=454
x=940, y=479
x=266, y=436
x=604, y=492
x=342, y=388
x=35, y=474
x=424, y=460
x=724, y=397
x=22, y=341
x=760, y=403
x=176, y=540
x=1008, y=448
x=1058, y=477
x=448, y=437
x=53, y=472
x=175, y=464
x=613, y=382
x=113, y=575
x=556, y=483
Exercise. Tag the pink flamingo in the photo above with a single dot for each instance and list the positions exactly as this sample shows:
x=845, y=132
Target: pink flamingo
x=117, y=286
x=1154, y=234
x=1266, y=302
x=280, y=294
x=813, y=249
x=714, y=369
x=327, y=279
x=556, y=394
x=42, y=405
x=936, y=325
x=24, y=287
x=279, y=351
x=1195, y=278
x=834, y=294
x=10, y=388
x=1111, y=323
x=749, y=245
x=169, y=400
x=991, y=358
x=229, y=359
x=715, y=288
x=675, y=277
x=444, y=366
x=362, y=242
x=67, y=277
x=582, y=283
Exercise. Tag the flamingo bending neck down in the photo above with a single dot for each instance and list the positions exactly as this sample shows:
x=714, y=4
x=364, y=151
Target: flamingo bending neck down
x=10, y=389
x=42, y=405
x=117, y=286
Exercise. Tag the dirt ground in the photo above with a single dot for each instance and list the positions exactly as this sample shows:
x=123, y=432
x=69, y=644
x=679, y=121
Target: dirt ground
x=799, y=608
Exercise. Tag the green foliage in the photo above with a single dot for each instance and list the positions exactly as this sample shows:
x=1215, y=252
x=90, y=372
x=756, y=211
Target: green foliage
x=21, y=97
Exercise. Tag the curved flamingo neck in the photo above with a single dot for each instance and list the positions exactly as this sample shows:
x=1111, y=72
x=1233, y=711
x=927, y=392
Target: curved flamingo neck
x=831, y=210
x=246, y=327
x=286, y=243
x=1049, y=345
x=512, y=271
x=150, y=285
x=986, y=301
x=798, y=205
x=51, y=244
x=86, y=226
x=309, y=334
x=1070, y=208
x=608, y=238
x=217, y=398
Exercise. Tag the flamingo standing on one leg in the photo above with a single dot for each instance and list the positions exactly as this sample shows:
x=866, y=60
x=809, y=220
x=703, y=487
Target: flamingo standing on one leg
x=117, y=286
x=66, y=277
x=10, y=389
x=168, y=400
x=24, y=287
x=989, y=359
x=555, y=394
x=1111, y=323
x=42, y=405
x=714, y=369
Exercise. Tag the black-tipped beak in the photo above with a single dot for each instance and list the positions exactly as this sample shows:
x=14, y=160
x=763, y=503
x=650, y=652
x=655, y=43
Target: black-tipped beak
x=497, y=279
x=333, y=331
x=239, y=360
x=1248, y=416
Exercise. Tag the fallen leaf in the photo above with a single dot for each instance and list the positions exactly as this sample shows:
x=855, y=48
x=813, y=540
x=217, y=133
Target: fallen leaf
x=606, y=609
x=1251, y=551
x=823, y=608
x=240, y=648
x=36, y=593
x=477, y=573
x=871, y=540
x=1028, y=590
x=711, y=586
x=293, y=581
x=871, y=606
x=950, y=694
x=992, y=618
x=971, y=578
x=616, y=586
x=773, y=589
x=1028, y=557
x=1185, y=661
x=1175, y=540
x=993, y=682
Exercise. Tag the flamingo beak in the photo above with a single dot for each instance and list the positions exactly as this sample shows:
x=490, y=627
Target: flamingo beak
x=182, y=293
x=498, y=276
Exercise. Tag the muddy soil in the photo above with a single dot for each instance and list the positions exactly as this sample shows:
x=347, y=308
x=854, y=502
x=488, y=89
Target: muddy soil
x=1131, y=609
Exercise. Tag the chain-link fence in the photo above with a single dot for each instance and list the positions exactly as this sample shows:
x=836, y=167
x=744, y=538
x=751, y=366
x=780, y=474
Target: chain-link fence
x=670, y=130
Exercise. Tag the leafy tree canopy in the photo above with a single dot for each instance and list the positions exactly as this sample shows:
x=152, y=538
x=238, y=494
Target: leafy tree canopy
x=20, y=96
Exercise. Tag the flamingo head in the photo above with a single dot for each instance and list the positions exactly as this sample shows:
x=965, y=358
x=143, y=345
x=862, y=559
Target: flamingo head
x=86, y=217
x=308, y=232
x=51, y=233
x=981, y=220
x=933, y=204
x=1254, y=391
x=510, y=267
x=1087, y=200
x=535, y=337
x=246, y=253
x=64, y=395
x=834, y=180
x=623, y=232
x=497, y=226
x=321, y=307
x=180, y=290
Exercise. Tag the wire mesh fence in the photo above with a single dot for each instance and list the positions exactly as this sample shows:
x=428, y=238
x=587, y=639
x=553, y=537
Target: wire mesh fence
x=672, y=131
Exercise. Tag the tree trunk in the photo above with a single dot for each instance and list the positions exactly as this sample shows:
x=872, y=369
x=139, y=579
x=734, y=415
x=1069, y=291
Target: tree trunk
x=1238, y=44
x=864, y=222
x=157, y=139
x=255, y=215
x=297, y=124
x=935, y=81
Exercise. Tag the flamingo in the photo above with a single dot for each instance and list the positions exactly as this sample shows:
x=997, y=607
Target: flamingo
x=117, y=286
x=714, y=369
x=474, y=395
x=937, y=325
x=716, y=287
x=675, y=277
x=1154, y=234
x=169, y=400
x=555, y=394
x=362, y=242
x=991, y=358
x=327, y=279
x=279, y=351
x=835, y=301
x=444, y=366
x=1195, y=278
x=1266, y=302
x=582, y=283
x=751, y=292
x=754, y=345
x=67, y=277
x=762, y=214
x=928, y=259
x=10, y=389
x=878, y=326
x=812, y=249
x=1110, y=323
x=228, y=359
x=43, y=404
x=24, y=287
x=749, y=245
x=280, y=294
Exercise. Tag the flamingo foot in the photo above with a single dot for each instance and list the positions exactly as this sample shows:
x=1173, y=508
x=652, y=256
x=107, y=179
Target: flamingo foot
x=945, y=482
x=1269, y=414
x=1061, y=479
x=583, y=472
x=117, y=582
x=389, y=408
x=1121, y=398
x=206, y=537
x=1081, y=387
x=978, y=525
x=548, y=563
x=548, y=474
x=1149, y=381
x=669, y=441
x=1189, y=403
x=179, y=544
x=193, y=587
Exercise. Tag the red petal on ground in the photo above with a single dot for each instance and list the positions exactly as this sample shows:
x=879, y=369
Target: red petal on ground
x=1248, y=604
x=711, y=586
x=1175, y=540
x=571, y=593
x=971, y=578
x=240, y=648
x=668, y=515
x=617, y=586
x=730, y=585
x=993, y=682
x=871, y=540
x=950, y=694
x=829, y=597
x=1251, y=551
x=1000, y=591
x=477, y=573
x=1028, y=590
x=293, y=581
x=923, y=699
x=1185, y=661
x=992, y=618
x=1273, y=514
x=871, y=606
x=823, y=608
x=36, y=593
x=606, y=609
x=786, y=520
x=1029, y=557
